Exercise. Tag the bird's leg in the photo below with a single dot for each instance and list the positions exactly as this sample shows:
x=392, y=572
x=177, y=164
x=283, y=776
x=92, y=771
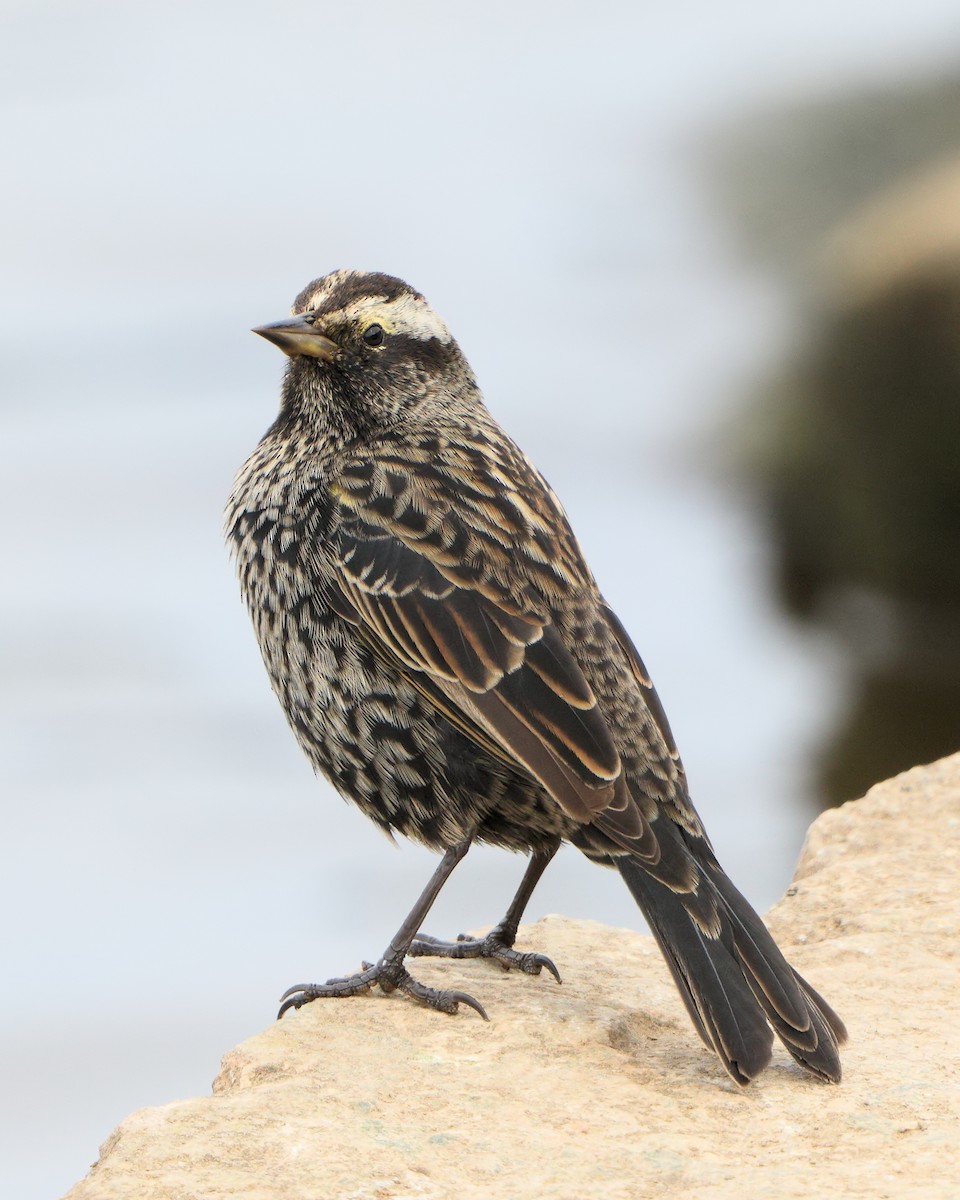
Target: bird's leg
x=498, y=943
x=389, y=973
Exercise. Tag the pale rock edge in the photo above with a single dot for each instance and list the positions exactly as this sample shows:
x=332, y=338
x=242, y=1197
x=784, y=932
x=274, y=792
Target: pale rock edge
x=600, y=1087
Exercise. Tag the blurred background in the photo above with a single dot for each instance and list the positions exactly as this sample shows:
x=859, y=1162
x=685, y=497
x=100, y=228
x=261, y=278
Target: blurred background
x=706, y=265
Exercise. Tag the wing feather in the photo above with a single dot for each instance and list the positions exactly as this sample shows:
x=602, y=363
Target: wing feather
x=423, y=597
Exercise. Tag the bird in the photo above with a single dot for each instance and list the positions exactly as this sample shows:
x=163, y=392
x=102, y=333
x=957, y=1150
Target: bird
x=444, y=656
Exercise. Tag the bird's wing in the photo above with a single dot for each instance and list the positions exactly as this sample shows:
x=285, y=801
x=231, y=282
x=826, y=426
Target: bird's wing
x=677, y=800
x=445, y=557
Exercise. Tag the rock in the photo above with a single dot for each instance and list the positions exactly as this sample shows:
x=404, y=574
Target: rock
x=600, y=1088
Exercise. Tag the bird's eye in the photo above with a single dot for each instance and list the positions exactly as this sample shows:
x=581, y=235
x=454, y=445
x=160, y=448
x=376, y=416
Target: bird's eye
x=373, y=335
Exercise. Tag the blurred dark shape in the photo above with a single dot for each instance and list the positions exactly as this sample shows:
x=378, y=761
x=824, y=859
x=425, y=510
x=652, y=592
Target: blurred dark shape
x=897, y=720
x=856, y=444
x=862, y=481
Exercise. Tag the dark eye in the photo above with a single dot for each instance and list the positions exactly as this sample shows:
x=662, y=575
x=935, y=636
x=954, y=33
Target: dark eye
x=373, y=335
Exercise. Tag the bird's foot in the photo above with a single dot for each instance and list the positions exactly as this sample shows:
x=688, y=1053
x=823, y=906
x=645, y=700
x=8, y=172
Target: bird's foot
x=497, y=945
x=389, y=976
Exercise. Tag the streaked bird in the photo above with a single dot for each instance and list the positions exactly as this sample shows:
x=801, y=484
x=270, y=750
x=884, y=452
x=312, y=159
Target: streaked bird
x=445, y=657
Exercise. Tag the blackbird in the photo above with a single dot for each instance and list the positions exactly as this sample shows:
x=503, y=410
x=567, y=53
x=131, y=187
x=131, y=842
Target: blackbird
x=444, y=656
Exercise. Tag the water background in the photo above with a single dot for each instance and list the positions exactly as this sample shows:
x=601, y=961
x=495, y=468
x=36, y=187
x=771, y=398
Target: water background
x=174, y=175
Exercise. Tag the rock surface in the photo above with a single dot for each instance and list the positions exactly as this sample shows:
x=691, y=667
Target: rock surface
x=600, y=1088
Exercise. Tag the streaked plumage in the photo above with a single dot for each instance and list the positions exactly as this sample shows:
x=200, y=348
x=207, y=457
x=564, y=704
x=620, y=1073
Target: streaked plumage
x=444, y=656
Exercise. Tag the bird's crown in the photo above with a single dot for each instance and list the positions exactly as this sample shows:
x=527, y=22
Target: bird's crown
x=364, y=299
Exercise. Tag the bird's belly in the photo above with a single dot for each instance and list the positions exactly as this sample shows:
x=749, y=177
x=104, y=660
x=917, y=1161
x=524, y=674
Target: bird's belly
x=383, y=745
x=361, y=722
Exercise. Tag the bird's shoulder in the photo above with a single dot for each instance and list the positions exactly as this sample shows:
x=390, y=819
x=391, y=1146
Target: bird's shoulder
x=466, y=499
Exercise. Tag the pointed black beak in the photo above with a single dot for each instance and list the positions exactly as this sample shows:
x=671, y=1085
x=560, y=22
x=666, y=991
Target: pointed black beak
x=296, y=336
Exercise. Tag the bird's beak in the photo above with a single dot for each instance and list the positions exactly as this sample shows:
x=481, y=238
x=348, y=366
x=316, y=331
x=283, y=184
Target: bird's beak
x=296, y=336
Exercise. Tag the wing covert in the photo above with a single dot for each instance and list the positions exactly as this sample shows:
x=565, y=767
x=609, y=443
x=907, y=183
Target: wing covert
x=502, y=665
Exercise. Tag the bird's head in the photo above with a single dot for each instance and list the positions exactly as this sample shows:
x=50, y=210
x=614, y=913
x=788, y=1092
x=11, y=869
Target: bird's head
x=366, y=350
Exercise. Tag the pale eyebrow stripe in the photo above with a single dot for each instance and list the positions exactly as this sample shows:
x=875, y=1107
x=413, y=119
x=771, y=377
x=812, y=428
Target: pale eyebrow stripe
x=407, y=314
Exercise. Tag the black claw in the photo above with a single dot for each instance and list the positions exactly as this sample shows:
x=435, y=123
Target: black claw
x=296, y=997
x=493, y=946
x=389, y=976
x=552, y=968
x=532, y=964
x=445, y=1001
x=463, y=998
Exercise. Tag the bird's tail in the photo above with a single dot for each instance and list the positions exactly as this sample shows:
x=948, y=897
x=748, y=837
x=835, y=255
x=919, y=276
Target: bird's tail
x=733, y=979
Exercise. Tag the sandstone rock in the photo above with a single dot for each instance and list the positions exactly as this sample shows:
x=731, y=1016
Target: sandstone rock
x=599, y=1087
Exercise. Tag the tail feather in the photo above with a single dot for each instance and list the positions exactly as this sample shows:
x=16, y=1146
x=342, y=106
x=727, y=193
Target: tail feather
x=736, y=984
x=761, y=956
x=831, y=1034
x=812, y=1032
x=711, y=984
